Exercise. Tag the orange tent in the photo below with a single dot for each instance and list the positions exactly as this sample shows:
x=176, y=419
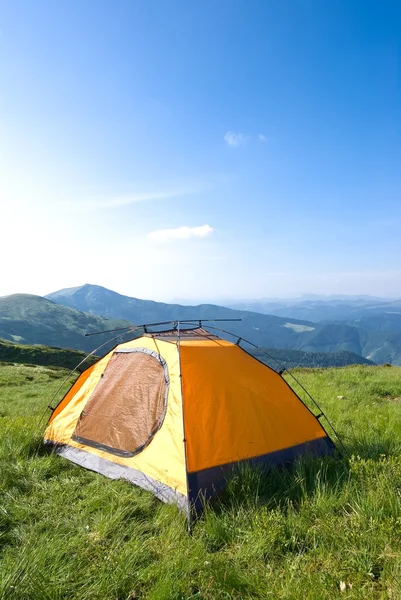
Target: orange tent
x=174, y=412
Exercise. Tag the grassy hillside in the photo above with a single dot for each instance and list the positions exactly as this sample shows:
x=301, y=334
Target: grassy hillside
x=43, y=355
x=67, y=533
x=28, y=319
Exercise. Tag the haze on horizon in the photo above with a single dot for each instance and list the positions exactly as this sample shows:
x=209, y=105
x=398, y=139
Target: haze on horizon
x=201, y=150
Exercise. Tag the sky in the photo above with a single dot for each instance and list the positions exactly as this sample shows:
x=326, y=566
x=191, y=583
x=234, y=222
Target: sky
x=201, y=149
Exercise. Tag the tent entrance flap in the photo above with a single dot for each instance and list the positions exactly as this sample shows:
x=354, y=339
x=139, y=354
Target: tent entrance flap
x=128, y=405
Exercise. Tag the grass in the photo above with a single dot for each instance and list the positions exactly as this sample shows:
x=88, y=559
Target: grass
x=308, y=533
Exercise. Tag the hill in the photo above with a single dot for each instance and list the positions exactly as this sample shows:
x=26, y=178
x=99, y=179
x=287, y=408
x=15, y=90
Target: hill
x=263, y=330
x=66, y=532
x=29, y=319
x=43, y=355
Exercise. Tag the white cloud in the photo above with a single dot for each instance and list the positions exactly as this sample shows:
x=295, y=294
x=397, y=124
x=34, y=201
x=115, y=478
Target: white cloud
x=115, y=202
x=239, y=139
x=180, y=233
x=235, y=139
x=119, y=201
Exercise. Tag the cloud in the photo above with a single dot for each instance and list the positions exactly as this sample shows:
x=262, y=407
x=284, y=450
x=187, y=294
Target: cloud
x=235, y=139
x=128, y=199
x=180, y=233
x=239, y=139
x=120, y=201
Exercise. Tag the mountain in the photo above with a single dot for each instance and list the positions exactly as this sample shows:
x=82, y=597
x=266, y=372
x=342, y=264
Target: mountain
x=29, y=319
x=276, y=359
x=263, y=330
x=65, y=316
x=387, y=321
x=347, y=309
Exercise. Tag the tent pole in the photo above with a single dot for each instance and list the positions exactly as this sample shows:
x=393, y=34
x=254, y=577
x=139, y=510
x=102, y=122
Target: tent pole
x=183, y=427
x=144, y=325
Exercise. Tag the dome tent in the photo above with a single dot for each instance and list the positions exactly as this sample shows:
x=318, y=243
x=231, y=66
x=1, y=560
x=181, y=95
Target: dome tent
x=175, y=411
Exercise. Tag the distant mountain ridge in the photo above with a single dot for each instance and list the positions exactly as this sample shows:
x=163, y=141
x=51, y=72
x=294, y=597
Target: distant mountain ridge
x=32, y=320
x=349, y=309
x=63, y=318
x=280, y=332
x=260, y=329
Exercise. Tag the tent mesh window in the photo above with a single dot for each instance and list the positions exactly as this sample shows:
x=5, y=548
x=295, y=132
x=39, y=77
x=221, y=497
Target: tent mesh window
x=128, y=405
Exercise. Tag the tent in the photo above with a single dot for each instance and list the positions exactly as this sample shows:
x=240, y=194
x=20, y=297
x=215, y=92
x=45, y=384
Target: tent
x=175, y=412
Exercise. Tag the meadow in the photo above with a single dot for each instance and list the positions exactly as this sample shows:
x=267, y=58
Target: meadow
x=324, y=529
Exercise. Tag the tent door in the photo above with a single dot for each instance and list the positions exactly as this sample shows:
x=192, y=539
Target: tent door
x=128, y=405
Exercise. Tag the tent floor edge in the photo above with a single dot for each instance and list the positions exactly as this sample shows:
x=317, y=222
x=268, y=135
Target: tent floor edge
x=115, y=471
x=206, y=484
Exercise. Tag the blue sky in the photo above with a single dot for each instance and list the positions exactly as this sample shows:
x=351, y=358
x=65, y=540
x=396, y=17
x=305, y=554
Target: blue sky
x=201, y=150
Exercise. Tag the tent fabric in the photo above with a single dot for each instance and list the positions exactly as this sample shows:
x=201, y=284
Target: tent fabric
x=168, y=441
x=251, y=405
x=176, y=413
x=132, y=395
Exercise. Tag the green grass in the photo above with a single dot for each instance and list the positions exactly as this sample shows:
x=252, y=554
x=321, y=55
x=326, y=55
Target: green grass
x=67, y=533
